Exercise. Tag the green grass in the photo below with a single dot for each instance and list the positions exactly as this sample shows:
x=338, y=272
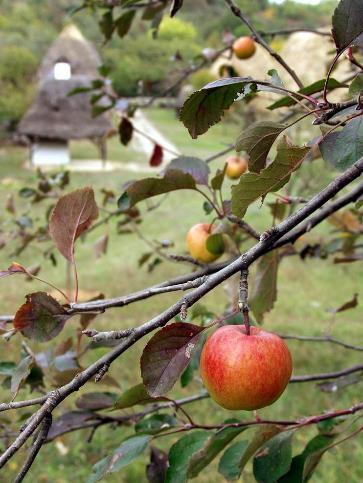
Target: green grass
x=306, y=290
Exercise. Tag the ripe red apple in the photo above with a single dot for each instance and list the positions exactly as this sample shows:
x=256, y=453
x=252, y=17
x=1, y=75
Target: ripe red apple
x=244, y=47
x=243, y=371
x=197, y=243
x=236, y=166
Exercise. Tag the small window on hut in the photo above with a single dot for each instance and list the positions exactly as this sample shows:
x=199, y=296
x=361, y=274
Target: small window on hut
x=62, y=71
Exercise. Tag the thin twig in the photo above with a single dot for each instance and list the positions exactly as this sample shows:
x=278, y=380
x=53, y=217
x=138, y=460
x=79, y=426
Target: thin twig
x=259, y=39
x=325, y=338
x=241, y=263
x=327, y=375
x=35, y=448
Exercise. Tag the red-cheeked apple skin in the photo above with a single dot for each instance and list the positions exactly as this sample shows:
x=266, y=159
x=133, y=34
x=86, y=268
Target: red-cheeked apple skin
x=245, y=371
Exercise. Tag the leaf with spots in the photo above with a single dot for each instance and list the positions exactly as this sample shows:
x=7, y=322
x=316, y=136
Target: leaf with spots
x=273, y=459
x=72, y=216
x=181, y=453
x=212, y=447
x=252, y=186
x=196, y=167
x=257, y=140
x=125, y=454
x=41, y=318
x=166, y=356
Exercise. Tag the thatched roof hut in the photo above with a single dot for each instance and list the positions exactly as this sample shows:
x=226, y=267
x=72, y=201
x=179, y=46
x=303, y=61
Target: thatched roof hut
x=54, y=115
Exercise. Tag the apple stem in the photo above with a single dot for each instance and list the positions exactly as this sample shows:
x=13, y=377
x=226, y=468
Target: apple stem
x=246, y=320
x=243, y=297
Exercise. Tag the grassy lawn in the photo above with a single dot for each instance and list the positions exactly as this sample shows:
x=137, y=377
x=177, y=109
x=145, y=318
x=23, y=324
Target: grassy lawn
x=307, y=290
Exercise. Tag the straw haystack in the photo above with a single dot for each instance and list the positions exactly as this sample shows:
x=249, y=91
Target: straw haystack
x=55, y=118
x=310, y=55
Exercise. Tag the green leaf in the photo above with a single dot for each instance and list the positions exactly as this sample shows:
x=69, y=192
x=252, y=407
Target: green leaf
x=257, y=140
x=356, y=86
x=207, y=207
x=215, y=244
x=308, y=91
x=278, y=210
x=347, y=23
x=79, y=90
x=206, y=106
x=148, y=187
x=20, y=374
x=275, y=78
x=196, y=167
x=273, y=460
x=229, y=464
x=218, y=178
x=264, y=290
x=125, y=454
x=181, y=453
x=166, y=356
x=7, y=368
x=106, y=24
x=156, y=423
x=261, y=436
x=187, y=376
x=124, y=22
x=135, y=395
x=212, y=446
x=345, y=147
x=307, y=461
x=253, y=186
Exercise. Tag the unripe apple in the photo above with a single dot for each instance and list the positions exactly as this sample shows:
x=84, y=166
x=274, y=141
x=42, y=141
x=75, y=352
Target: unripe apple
x=197, y=243
x=244, y=47
x=243, y=371
x=236, y=166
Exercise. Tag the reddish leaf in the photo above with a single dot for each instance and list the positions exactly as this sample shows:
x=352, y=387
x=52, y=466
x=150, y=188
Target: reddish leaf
x=13, y=269
x=156, y=469
x=69, y=422
x=72, y=215
x=96, y=400
x=351, y=304
x=125, y=131
x=166, y=356
x=157, y=156
x=41, y=318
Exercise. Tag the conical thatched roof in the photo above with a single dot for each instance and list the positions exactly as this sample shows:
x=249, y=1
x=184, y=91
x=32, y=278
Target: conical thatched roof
x=54, y=114
x=76, y=50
